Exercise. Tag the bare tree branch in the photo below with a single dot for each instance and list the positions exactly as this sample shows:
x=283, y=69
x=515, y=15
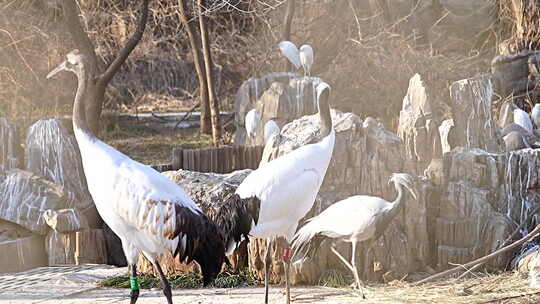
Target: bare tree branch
x=78, y=34
x=106, y=77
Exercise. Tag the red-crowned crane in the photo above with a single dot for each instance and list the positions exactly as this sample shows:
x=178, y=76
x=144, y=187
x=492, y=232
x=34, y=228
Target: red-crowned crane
x=150, y=213
x=273, y=198
x=359, y=218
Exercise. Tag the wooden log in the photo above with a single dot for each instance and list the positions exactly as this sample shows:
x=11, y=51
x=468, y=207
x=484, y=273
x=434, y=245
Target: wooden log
x=90, y=247
x=177, y=156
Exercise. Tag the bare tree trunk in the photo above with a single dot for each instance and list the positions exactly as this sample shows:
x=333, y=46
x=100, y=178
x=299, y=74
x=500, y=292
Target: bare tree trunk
x=214, y=103
x=286, y=34
x=194, y=41
x=102, y=80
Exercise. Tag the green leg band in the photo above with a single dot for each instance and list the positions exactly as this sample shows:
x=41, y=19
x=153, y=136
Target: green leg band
x=134, y=282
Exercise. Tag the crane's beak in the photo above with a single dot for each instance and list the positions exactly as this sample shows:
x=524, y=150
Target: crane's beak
x=58, y=69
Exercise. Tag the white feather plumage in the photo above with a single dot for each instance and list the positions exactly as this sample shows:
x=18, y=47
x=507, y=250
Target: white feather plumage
x=306, y=58
x=523, y=119
x=289, y=50
x=252, y=122
x=270, y=128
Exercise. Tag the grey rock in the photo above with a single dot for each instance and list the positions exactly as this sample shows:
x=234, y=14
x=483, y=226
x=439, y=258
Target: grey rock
x=25, y=196
x=515, y=141
x=10, y=148
x=65, y=220
x=54, y=154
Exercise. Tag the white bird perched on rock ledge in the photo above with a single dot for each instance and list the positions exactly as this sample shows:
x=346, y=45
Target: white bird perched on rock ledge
x=535, y=115
x=252, y=122
x=306, y=58
x=150, y=213
x=270, y=128
x=359, y=218
x=523, y=119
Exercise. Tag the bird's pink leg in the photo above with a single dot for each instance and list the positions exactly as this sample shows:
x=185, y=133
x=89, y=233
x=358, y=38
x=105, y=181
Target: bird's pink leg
x=287, y=263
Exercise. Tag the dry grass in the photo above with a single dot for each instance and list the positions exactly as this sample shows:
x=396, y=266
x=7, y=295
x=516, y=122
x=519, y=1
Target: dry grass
x=506, y=287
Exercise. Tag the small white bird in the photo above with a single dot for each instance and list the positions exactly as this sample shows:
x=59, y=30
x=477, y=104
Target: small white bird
x=289, y=50
x=150, y=213
x=306, y=58
x=359, y=218
x=252, y=122
x=535, y=115
x=523, y=119
x=270, y=128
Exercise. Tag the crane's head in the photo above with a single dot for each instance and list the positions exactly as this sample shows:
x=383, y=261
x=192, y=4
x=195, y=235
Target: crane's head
x=73, y=63
x=405, y=180
x=323, y=90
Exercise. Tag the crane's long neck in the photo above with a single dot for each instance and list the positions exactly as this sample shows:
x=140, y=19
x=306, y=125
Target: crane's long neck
x=324, y=114
x=396, y=204
x=80, y=122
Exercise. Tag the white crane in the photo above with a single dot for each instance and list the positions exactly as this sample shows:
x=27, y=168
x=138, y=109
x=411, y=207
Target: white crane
x=150, y=213
x=523, y=119
x=535, y=115
x=306, y=58
x=252, y=122
x=289, y=50
x=270, y=128
x=359, y=218
x=299, y=58
x=273, y=198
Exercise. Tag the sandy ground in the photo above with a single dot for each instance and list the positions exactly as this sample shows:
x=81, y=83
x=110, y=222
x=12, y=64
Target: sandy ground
x=77, y=285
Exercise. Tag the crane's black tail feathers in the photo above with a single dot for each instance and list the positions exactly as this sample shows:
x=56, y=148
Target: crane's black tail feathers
x=235, y=219
x=199, y=240
x=306, y=244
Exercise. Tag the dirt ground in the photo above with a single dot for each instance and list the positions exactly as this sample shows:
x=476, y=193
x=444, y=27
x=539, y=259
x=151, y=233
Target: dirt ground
x=77, y=285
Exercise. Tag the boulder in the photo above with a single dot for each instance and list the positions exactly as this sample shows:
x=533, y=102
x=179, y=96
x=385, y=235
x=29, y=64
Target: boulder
x=25, y=196
x=65, y=220
x=10, y=231
x=418, y=127
x=10, y=148
x=281, y=97
x=54, y=154
x=445, y=130
x=364, y=157
x=208, y=190
x=471, y=112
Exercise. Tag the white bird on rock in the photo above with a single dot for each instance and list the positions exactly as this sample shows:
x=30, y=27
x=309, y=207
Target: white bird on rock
x=252, y=122
x=306, y=58
x=289, y=50
x=270, y=128
x=150, y=213
x=273, y=198
x=523, y=119
x=359, y=218
x=535, y=115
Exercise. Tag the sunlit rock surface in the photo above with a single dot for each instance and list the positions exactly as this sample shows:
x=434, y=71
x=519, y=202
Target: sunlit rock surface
x=10, y=149
x=25, y=196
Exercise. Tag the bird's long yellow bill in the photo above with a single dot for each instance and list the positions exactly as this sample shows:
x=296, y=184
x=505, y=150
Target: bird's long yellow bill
x=59, y=68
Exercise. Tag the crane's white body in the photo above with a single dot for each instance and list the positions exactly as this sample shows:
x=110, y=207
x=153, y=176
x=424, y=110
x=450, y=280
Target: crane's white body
x=535, y=115
x=252, y=122
x=523, y=119
x=306, y=58
x=289, y=50
x=133, y=199
x=287, y=187
x=351, y=220
x=270, y=128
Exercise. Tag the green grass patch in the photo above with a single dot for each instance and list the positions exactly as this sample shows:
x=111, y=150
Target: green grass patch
x=226, y=279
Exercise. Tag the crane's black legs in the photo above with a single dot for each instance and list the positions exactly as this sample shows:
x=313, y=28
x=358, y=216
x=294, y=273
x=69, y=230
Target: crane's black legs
x=287, y=264
x=134, y=284
x=267, y=261
x=165, y=283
